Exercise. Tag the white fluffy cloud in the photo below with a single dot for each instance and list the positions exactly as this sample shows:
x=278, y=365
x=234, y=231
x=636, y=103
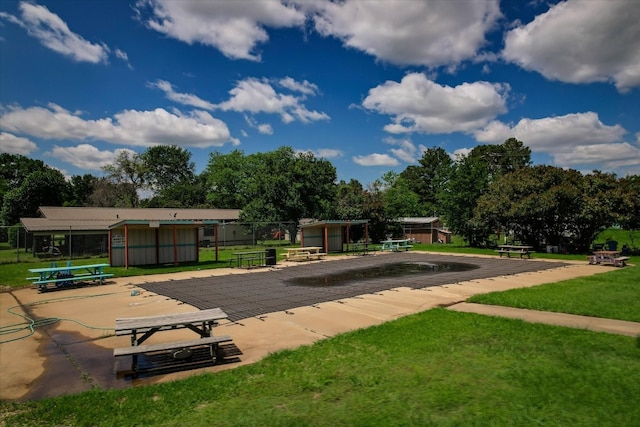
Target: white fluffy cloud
x=303, y=87
x=12, y=144
x=55, y=34
x=323, y=153
x=259, y=96
x=405, y=151
x=85, y=156
x=130, y=127
x=376, y=159
x=181, y=98
x=581, y=42
x=552, y=132
x=233, y=27
x=418, y=104
x=572, y=140
x=409, y=32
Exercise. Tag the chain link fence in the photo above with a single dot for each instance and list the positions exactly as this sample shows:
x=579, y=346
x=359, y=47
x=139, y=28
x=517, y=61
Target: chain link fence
x=259, y=234
x=17, y=244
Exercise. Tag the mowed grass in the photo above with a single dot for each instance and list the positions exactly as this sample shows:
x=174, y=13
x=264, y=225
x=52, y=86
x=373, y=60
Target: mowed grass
x=612, y=295
x=433, y=368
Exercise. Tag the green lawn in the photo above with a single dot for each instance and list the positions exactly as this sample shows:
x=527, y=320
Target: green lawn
x=613, y=295
x=13, y=274
x=433, y=368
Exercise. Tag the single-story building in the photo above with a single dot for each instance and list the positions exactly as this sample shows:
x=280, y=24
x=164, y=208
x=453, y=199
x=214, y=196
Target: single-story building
x=131, y=236
x=331, y=235
x=425, y=230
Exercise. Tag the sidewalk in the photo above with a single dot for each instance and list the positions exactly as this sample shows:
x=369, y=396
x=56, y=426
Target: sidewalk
x=611, y=326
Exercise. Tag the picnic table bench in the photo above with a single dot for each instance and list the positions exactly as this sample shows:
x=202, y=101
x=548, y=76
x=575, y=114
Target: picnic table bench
x=519, y=250
x=361, y=248
x=250, y=258
x=66, y=276
x=396, y=245
x=201, y=322
x=304, y=253
x=608, y=257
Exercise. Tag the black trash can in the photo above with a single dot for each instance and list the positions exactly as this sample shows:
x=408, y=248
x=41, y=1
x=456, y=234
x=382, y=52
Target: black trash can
x=270, y=256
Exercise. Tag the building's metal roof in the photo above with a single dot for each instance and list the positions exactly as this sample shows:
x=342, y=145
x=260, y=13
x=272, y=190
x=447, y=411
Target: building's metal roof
x=154, y=214
x=419, y=220
x=90, y=218
x=334, y=222
x=45, y=224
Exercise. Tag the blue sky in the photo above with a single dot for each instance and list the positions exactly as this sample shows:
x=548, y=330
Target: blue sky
x=365, y=84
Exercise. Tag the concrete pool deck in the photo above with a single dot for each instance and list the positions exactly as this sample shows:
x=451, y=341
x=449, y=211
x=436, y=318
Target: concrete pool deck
x=74, y=353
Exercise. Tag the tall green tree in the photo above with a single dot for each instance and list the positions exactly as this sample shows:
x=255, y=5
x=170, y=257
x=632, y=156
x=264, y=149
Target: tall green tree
x=14, y=168
x=41, y=188
x=227, y=178
x=166, y=166
x=628, y=211
x=375, y=212
x=184, y=194
x=399, y=200
x=274, y=186
x=81, y=188
x=349, y=201
x=128, y=173
x=289, y=186
x=470, y=179
x=537, y=204
x=429, y=178
x=600, y=195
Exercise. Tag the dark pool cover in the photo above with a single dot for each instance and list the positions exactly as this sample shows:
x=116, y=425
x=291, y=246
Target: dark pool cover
x=248, y=295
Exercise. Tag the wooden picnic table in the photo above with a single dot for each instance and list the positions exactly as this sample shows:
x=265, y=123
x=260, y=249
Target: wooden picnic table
x=396, y=245
x=608, y=257
x=67, y=275
x=252, y=258
x=520, y=250
x=142, y=328
x=304, y=253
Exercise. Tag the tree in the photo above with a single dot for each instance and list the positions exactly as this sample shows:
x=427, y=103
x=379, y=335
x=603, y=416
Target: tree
x=375, y=211
x=349, y=201
x=274, y=186
x=429, y=178
x=41, y=188
x=470, y=179
x=599, y=197
x=536, y=204
x=288, y=186
x=186, y=194
x=226, y=177
x=14, y=169
x=105, y=194
x=627, y=213
x=80, y=190
x=399, y=200
x=128, y=172
x=166, y=166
